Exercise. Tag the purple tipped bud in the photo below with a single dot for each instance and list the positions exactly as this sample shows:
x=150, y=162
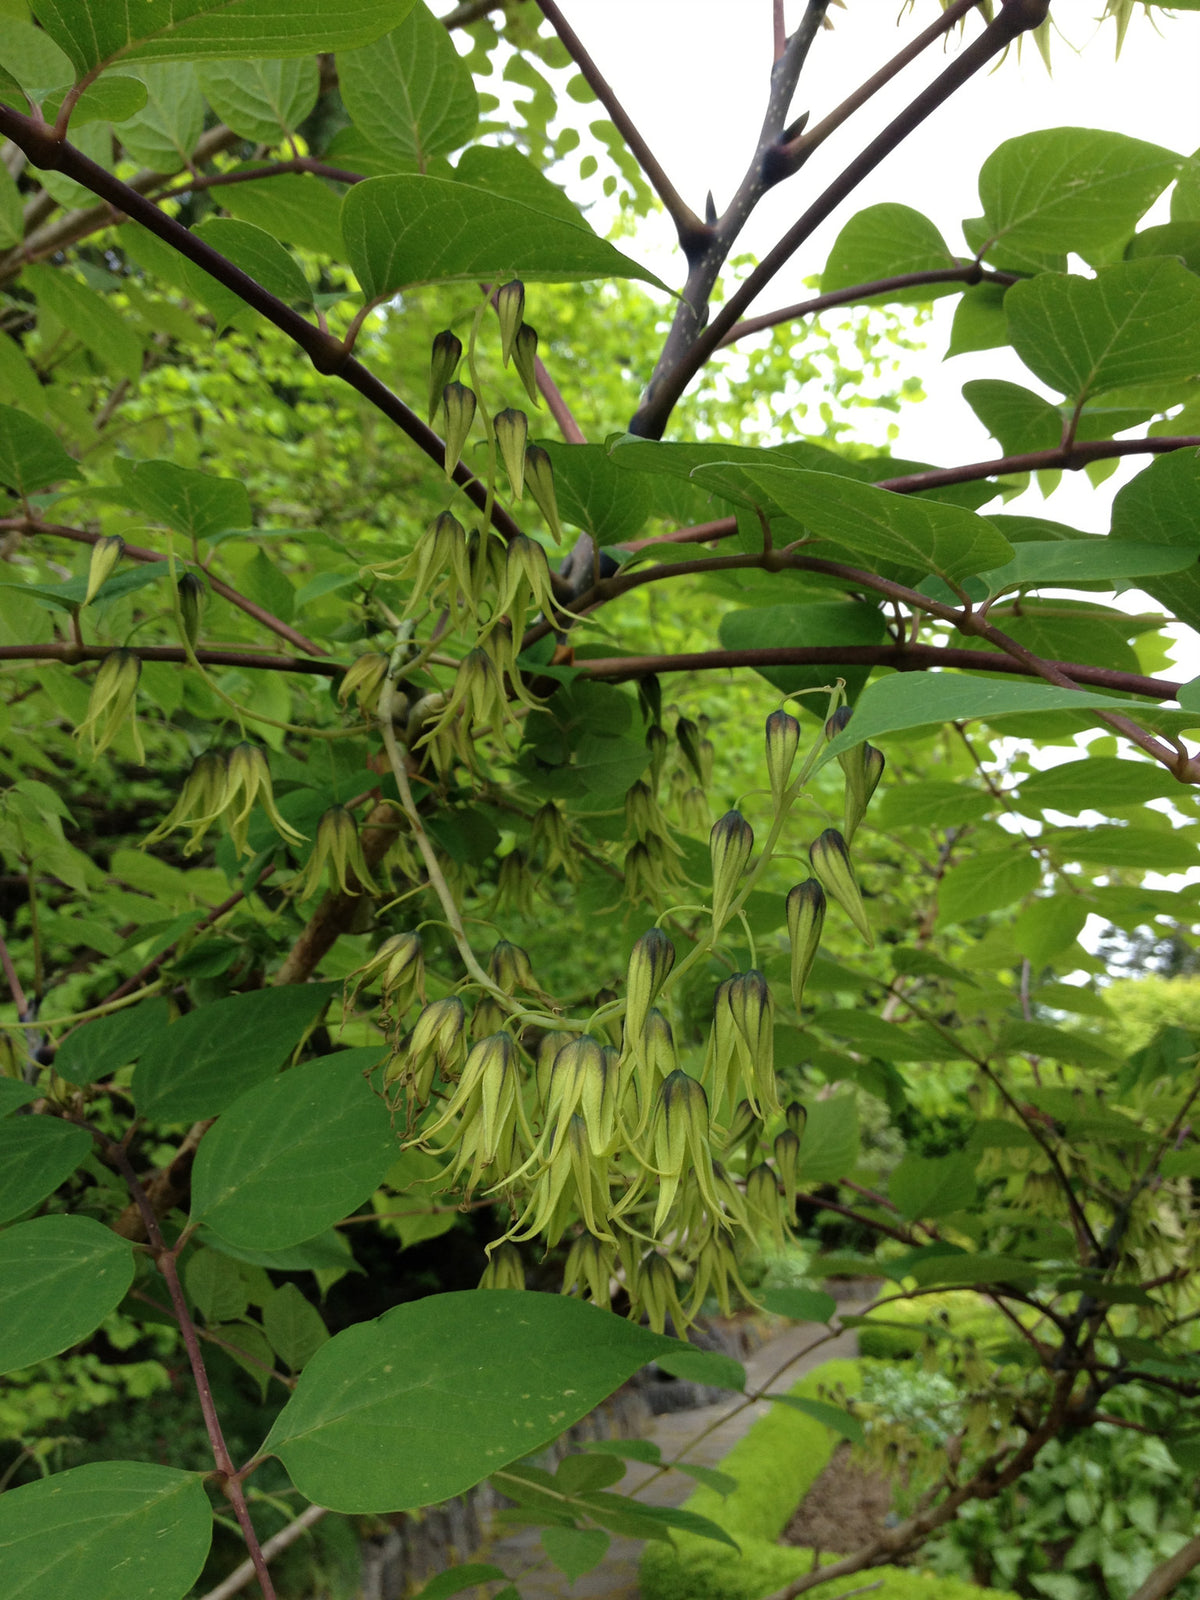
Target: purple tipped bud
x=783, y=739
x=510, y=308
x=458, y=404
x=512, y=433
x=447, y=353
x=805, y=919
x=524, y=356
x=730, y=845
x=831, y=862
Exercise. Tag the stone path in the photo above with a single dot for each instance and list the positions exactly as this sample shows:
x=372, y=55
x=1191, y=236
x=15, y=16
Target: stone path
x=518, y=1551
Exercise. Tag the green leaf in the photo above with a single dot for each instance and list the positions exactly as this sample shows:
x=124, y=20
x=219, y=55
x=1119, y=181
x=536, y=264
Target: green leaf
x=96, y=1049
x=13, y=1094
x=887, y=241
x=435, y=1395
x=889, y=705
x=263, y=101
x=821, y=1411
x=872, y=1035
x=720, y=1482
x=295, y=207
x=216, y=1285
x=260, y=255
x=294, y=1155
x=987, y=881
x=933, y=804
x=900, y=535
x=710, y=1367
x=99, y=327
x=456, y=1579
x=932, y=1186
x=595, y=495
x=30, y=59
x=31, y=457
x=979, y=320
x=164, y=134
x=59, y=1279
x=327, y=1252
x=200, y=1064
x=1064, y=189
x=111, y=99
x=293, y=1326
x=198, y=504
x=828, y=623
x=829, y=1149
x=36, y=1155
x=575, y=1550
x=113, y=1530
x=1062, y=563
x=408, y=230
x=95, y=31
x=1180, y=239
x=1134, y=323
x=577, y=1474
x=672, y=1517
x=411, y=93
x=508, y=171
x=801, y=1305
x=1162, y=505
x=1143, y=849
x=628, y=1449
x=1049, y=926
x=963, y=1270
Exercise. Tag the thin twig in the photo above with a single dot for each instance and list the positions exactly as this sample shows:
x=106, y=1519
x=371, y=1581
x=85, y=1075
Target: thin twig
x=687, y=224
x=241, y=1576
x=254, y=660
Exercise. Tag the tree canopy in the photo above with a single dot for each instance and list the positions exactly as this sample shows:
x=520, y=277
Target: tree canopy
x=501, y=783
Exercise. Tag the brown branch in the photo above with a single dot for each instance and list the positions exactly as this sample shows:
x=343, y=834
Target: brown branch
x=1068, y=458
x=805, y=142
x=698, y=533
x=680, y=366
x=72, y=654
x=556, y=405
x=904, y=658
x=327, y=354
x=692, y=232
x=968, y=272
x=135, y=552
x=1170, y=1572
x=193, y=183
x=241, y=1576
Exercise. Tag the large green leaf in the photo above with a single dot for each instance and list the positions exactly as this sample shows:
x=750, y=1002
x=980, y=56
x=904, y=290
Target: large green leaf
x=59, y=1279
x=95, y=31
x=898, y=534
x=1064, y=563
x=31, y=457
x=932, y=1186
x=594, y=494
x=36, y=1155
x=829, y=1148
x=198, y=504
x=96, y=1049
x=1135, y=323
x=933, y=804
x=1163, y=504
x=886, y=241
x=295, y=207
x=259, y=254
x=1143, y=849
x=411, y=229
x=264, y=101
x=432, y=1396
x=294, y=1155
x=1096, y=782
x=113, y=1530
x=163, y=135
x=411, y=94
x=838, y=622
x=986, y=881
x=894, y=704
x=30, y=60
x=205, y=1060
x=1064, y=189
x=99, y=327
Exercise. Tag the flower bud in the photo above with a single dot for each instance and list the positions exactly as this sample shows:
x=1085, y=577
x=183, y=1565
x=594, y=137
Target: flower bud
x=590, y=1265
x=584, y=1082
x=487, y=1017
x=658, y=1045
x=694, y=810
x=510, y=309
x=649, y=692
x=510, y=968
x=643, y=878
x=745, y=1128
x=837, y=723
x=515, y=885
x=805, y=919
x=762, y=1196
x=655, y=1290
x=539, y=480
x=796, y=1117
x=787, y=1159
x=364, y=679
x=706, y=750
x=867, y=773
x=783, y=740
x=512, y=434
x=339, y=848
x=658, y=746
x=114, y=691
x=831, y=863
x=447, y=353
x=400, y=961
x=730, y=845
x=642, y=815
x=439, y=1033
x=193, y=597
x=650, y=961
x=524, y=356
x=505, y=1269
x=201, y=800
x=250, y=776
x=687, y=736
x=106, y=553
x=458, y=407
